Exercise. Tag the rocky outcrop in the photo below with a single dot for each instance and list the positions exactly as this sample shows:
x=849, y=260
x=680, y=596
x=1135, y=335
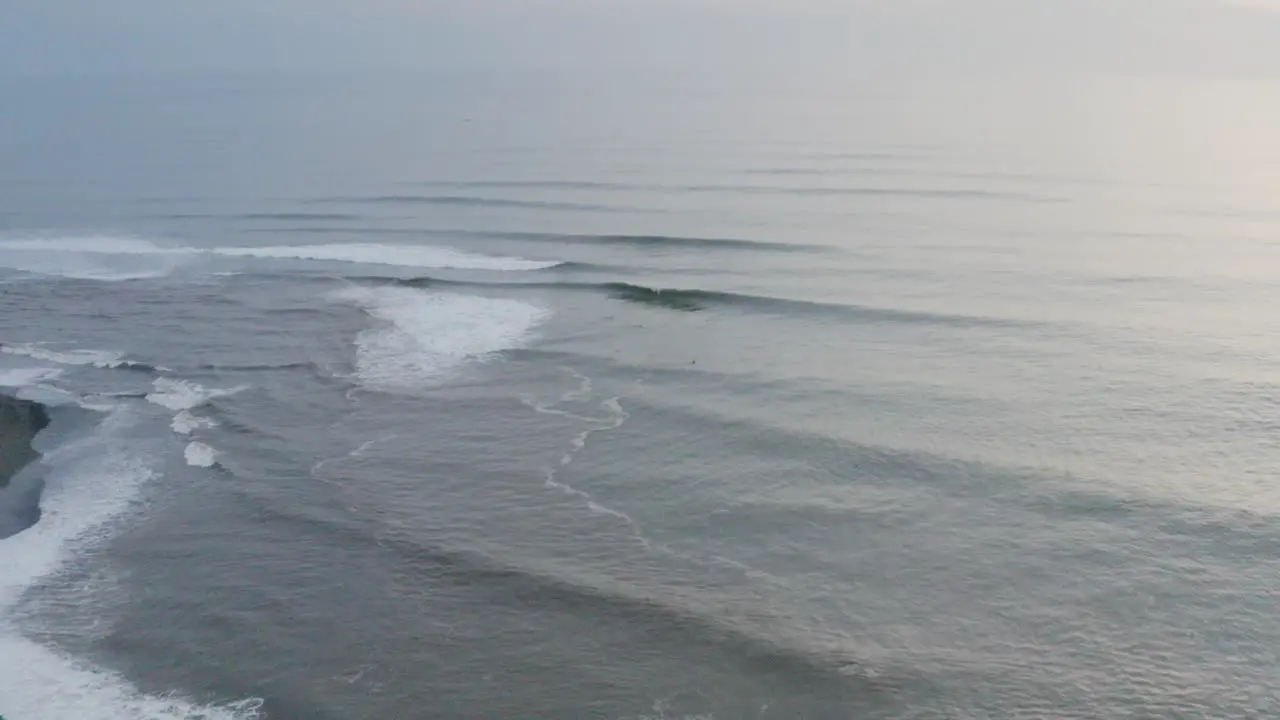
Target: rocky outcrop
x=20, y=420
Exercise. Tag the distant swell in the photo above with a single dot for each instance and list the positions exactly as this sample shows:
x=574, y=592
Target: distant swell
x=653, y=241
x=281, y=216
x=609, y=239
x=698, y=300
x=469, y=201
x=694, y=300
x=737, y=189
x=401, y=255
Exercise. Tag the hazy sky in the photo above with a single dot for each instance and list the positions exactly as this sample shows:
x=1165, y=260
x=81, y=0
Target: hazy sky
x=1211, y=37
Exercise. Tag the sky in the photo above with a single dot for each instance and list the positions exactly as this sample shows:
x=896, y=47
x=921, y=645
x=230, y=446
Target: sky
x=1221, y=38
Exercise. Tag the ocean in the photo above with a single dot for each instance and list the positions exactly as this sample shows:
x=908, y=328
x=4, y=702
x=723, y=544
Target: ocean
x=509, y=398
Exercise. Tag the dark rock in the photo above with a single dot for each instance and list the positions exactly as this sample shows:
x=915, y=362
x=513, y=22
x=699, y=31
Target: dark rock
x=20, y=420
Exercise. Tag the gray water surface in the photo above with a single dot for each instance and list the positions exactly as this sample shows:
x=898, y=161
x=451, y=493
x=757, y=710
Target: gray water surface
x=415, y=400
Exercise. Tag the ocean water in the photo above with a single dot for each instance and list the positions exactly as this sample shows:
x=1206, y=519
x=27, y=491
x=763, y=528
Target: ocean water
x=422, y=396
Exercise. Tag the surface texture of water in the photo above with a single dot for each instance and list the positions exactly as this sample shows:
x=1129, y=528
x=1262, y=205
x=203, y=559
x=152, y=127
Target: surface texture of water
x=410, y=398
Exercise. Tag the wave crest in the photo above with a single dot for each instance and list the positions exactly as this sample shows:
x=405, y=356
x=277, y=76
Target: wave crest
x=695, y=300
x=116, y=258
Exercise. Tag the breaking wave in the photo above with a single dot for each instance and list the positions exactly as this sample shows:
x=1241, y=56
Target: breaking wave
x=97, y=358
x=694, y=300
x=419, y=337
x=89, y=484
x=115, y=258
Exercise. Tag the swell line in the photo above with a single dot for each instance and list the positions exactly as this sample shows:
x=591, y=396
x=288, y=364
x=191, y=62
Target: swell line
x=470, y=201
x=729, y=623
x=742, y=189
x=695, y=300
x=268, y=216
x=655, y=241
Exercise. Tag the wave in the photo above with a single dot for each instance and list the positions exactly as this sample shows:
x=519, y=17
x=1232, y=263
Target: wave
x=932, y=193
x=612, y=239
x=26, y=377
x=114, y=258
x=277, y=216
x=42, y=683
x=182, y=395
x=699, y=300
x=197, y=454
x=89, y=483
x=800, y=191
x=105, y=359
x=420, y=256
x=737, y=627
x=420, y=337
x=651, y=241
x=112, y=395
x=185, y=423
x=791, y=171
x=261, y=367
x=470, y=201
x=95, y=258
x=531, y=184
x=355, y=230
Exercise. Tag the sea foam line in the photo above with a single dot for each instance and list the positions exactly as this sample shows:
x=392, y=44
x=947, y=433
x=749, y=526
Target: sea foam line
x=75, y=256
x=90, y=483
x=615, y=420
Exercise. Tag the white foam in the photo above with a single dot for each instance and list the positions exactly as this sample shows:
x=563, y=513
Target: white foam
x=185, y=423
x=102, y=258
x=45, y=685
x=178, y=395
x=117, y=258
x=420, y=336
x=26, y=377
x=101, y=407
x=101, y=244
x=198, y=454
x=96, y=358
x=417, y=256
x=90, y=482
